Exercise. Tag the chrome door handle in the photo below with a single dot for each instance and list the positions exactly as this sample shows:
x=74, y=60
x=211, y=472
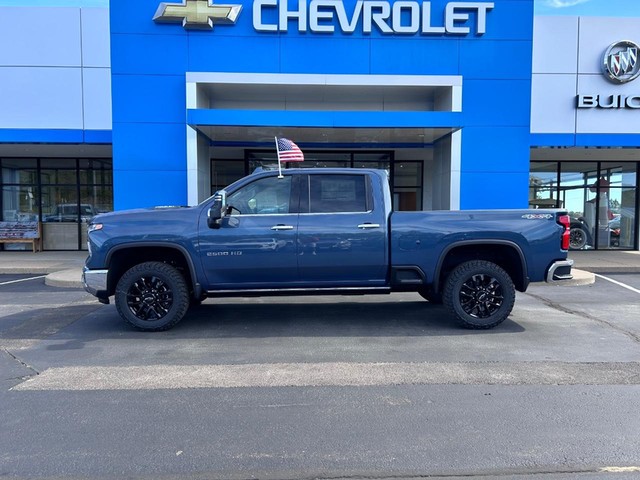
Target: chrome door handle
x=369, y=225
x=282, y=227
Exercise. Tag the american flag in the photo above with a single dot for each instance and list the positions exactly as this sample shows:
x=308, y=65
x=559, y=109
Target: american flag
x=288, y=151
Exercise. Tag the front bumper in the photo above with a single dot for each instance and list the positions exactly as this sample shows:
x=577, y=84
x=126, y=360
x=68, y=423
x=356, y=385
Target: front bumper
x=95, y=281
x=559, y=271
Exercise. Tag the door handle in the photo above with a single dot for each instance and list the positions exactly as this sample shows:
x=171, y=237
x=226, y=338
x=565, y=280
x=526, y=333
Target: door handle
x=282, y=227
x=369, y=225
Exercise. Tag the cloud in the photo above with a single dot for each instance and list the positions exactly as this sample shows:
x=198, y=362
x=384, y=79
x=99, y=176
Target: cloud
x=563, y=3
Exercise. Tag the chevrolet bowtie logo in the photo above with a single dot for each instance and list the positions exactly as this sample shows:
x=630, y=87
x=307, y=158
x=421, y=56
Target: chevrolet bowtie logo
x=197, y=14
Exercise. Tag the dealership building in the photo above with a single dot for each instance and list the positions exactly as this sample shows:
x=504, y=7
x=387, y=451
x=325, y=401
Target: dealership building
x=467, y=105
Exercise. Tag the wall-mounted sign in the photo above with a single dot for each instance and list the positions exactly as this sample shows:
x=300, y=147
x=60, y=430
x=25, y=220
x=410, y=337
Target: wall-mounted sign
x=402, y=17
x=620, y=65
x=620, y=62
x=197, y=14
x=326, y=16
x=609, y=101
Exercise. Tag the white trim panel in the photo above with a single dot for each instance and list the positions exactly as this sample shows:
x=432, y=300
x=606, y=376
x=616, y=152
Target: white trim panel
x=313, y=79
x=456, y=165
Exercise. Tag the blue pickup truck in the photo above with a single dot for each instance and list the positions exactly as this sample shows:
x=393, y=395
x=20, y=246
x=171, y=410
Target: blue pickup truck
x=320, y=231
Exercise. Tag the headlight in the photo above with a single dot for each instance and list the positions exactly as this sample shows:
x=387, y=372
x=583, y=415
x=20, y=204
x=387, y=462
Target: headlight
x=94, y=226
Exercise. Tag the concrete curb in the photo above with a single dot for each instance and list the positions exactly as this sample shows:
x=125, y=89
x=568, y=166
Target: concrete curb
x=28, y=270
x=580, y=278
x=613, y=269
x=65, y=278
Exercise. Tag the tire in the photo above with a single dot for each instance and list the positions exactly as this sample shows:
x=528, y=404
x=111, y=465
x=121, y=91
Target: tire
x=431, y=297
x=479, y=294
x=578, y=238
x=152, y=296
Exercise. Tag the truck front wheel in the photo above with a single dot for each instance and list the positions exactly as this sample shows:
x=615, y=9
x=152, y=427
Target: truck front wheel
x=479, y=294
x=152, y=296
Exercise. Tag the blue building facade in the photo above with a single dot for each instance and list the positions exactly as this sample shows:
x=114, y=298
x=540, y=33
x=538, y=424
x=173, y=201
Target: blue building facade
x=448, y=83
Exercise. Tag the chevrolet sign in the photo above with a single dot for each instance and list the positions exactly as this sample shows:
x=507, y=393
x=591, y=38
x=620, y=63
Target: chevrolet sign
x=404, y=16
x=324, y=16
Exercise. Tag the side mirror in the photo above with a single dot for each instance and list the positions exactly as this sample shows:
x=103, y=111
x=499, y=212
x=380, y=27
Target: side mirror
x=217, y=210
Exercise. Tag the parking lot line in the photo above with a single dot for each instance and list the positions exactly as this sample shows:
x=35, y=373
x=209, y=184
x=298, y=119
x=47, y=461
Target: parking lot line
x=623, y=285
x=21, y=280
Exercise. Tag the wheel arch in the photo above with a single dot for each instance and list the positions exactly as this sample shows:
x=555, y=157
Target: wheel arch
x=505, y=253
x=122, y=257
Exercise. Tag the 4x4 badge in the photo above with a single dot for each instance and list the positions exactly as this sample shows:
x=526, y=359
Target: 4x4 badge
x=197, y=14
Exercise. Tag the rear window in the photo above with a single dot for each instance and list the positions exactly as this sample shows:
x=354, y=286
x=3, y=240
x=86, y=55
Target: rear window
x=337, y=193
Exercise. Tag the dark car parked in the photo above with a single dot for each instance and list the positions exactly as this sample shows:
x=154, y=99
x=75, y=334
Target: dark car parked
x=68, y=212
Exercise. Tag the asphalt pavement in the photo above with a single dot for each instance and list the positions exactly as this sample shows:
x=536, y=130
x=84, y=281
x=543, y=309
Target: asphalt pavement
x=374, y=387
x=315, y=387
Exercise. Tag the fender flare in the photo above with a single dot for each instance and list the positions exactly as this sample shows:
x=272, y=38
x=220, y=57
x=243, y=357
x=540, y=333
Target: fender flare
x=197, y=288
x=464, y=243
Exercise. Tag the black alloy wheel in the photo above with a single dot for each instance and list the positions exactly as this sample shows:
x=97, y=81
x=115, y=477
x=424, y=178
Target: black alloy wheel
x=149, y=298
x=479, y=294
x=152, y=296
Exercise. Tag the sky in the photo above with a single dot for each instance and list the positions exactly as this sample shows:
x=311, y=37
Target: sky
x=601, y=8
x=598, y=8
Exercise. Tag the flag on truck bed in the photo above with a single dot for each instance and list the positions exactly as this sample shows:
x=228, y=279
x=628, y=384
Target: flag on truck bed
x=288, y=151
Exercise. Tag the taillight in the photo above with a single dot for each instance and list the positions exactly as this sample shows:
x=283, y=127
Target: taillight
x=565, y=221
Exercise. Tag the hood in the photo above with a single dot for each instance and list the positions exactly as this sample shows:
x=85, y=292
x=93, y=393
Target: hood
x=158, y=211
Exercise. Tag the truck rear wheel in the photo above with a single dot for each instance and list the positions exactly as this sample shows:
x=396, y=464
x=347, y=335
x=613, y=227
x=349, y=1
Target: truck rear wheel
x=479, y=294
x=152, y=296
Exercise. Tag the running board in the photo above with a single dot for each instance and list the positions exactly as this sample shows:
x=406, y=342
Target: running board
x=266, y=292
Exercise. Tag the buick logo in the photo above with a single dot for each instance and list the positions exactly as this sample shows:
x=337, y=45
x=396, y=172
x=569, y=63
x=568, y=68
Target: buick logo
x=621, y=62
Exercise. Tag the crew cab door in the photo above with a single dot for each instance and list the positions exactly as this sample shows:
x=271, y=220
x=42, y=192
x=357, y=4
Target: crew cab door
x=255, y=246
x=342, y=239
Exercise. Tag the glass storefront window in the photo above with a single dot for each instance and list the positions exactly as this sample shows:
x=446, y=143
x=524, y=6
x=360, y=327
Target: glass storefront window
x=59, y=171
x=22, y=171
x=575, y=178
x=407, y=181
x=600, y=197
x=60, y=217
x=622, y=179
x=95, y=199
x=543, y=185
x=225, y=172
x=19, y=203
x=63, y=193
x=324, y=160
x=95, y=172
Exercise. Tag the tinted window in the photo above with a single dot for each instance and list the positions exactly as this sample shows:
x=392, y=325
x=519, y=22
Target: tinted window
x=262, y=197
x=337, y=193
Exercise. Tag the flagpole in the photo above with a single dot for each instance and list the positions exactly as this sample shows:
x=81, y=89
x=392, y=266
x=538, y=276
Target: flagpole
x=278, y=153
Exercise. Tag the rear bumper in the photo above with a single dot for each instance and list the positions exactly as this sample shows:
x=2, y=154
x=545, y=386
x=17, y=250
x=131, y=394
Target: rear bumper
x=95, y=281
x=559, y=271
